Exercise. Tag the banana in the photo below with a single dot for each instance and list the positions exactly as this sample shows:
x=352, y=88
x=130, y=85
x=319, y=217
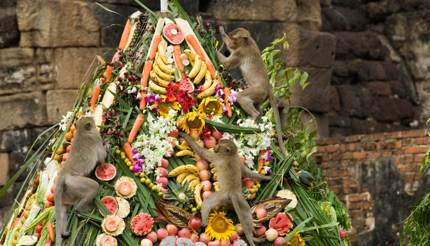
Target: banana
x=181, y=177
x=184, y=153
x=208, y=80
x=196, y=68
x=156, y=88
x=216, y=186
x=191, y=56
x=158, y=80
x=183, y=146
x=162, y=74
x=192, y=185
x=162, y=46
x=189, y=178
x=197, y=196
x=189, y=168
x=209, y=91
x=201, y=73
x=165, y=68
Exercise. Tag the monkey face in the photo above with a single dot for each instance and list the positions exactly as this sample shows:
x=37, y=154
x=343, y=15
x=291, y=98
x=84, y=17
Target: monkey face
x=226, y=146
x=239, y=37
x=86, y=124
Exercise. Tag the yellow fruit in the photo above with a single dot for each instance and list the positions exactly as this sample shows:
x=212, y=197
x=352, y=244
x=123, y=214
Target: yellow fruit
x=192, y=185
x=184, y=153
x=209, y=91
x=162, y=46
x=181, y=177
x=189, y=168
x=162, y=74
x=191, y=56
x=156, y=88
x=196, y=68
x=208, y=81
x=197, y=195
x=189, y=178
x=165, y=68
x=158, y=80
x=201, y=74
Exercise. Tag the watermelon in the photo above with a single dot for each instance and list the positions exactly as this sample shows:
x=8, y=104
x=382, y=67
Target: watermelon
x=105, y=172
x=110, y=203
x=172, y=33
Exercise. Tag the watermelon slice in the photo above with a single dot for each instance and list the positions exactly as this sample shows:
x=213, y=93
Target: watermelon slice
x=186, y=85
x=105, y=172
x=172, y=33
x=110, y=203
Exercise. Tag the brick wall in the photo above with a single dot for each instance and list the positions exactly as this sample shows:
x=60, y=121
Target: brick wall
x=378, y=178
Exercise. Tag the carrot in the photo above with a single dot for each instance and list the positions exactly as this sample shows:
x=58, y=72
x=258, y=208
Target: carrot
x=145, y=74
x=127, y=149
x=108, y=73
x=142, y=100
x=51, y=231
x=211, y=68
x=154, y=46
x=227, y=103
x=192, y=40
x=136, y=127
x=95, y=97
x=125, y=34
x=177, y=56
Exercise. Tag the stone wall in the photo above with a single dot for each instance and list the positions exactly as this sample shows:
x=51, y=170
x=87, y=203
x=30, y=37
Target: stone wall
x=381, y=69
x=377, y=177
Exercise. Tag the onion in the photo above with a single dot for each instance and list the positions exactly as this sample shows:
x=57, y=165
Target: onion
x=225, y=243
x=163, y=171
x=210, y=142
x=152, y=236
x=260, y=230
x=214, y=243
x=207, y=185
x=261, y=212
x=204, y=238
x=162, y=181
x=162, y=233
x=146, y=242
x=172, y=230
x=184, y=232
x=195, y=223
x=217, y=134
x=204, y=175
x=202, y=164
x=164, y=163
x=278, y=241
x=271, y=234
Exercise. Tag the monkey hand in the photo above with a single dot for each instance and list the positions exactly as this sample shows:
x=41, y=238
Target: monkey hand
x=221, y=30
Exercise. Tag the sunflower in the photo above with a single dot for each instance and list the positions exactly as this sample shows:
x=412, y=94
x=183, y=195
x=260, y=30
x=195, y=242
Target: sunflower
x=192, y=121
x=211, y=106
x=297, y=240
x=219, y=227
x=164, y=107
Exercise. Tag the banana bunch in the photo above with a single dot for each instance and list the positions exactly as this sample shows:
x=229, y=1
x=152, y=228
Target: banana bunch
x=199, y=67
x=184, y=150
x=162, y=72
x=197, y=195
x=215, y=177
x=186, y=174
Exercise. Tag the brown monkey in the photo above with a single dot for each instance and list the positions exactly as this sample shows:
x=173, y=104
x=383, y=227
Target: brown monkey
x=245, y=54
x=230, y=172
x=72, y=186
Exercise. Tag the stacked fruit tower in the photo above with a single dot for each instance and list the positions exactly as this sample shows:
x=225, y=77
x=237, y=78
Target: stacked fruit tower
x=164, y=79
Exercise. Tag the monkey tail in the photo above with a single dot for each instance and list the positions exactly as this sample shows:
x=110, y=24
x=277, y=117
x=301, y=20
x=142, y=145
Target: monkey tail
x=243, y=212
x=59, y=186
x=278, y=125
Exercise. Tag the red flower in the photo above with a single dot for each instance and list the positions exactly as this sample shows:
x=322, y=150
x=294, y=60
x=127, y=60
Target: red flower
x=281, y=223
x=141, y=224
x=181, y=94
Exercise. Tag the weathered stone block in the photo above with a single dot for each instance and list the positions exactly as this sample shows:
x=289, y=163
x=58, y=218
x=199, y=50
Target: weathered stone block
x=343, y=19
x=354, y=100
x=18, y=140
x=310, y=97
x=57, y=23
x=9, y=35
x=309, y=14
x=4, y=168
x=379, y=88
x=365, y=45
x=23, y=110
x=71, y=65
x=309, y=48
x=391, y=109
x=59, y=102
x=255, y=10
x=21, y=71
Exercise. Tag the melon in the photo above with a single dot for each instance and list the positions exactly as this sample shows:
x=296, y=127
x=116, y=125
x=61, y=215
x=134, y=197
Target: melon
x=110, y=203
x=105, y=172
x=185, y=85
x=172, y=33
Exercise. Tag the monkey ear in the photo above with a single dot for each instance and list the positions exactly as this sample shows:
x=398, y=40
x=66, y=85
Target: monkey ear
x=87, y=126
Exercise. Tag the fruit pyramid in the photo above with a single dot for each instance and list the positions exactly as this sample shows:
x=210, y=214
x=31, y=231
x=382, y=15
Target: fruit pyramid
x=163, y=79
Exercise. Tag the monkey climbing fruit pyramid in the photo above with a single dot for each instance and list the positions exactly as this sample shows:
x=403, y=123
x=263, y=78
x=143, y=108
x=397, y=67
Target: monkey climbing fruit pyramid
x=164, y=79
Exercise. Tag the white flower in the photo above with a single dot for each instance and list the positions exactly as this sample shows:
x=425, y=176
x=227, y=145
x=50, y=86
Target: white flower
x=65, y=118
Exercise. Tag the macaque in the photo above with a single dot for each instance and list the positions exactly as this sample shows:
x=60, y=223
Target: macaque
x=230, y=172
x=72, y=186
x=245, y=54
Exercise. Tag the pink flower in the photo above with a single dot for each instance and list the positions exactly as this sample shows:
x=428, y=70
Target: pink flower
x=281, y=223
x=141, y=224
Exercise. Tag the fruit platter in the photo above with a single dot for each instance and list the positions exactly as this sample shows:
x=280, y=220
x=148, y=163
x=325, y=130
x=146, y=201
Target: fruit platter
x=164, y=79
